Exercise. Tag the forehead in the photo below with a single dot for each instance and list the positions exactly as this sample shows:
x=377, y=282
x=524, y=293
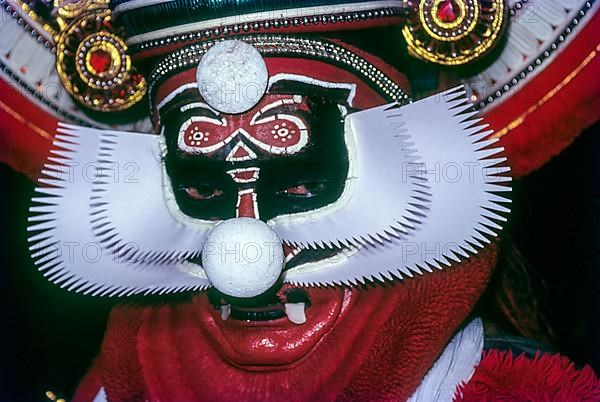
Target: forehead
x=293, y=85
x=277, y=125
x=286, y=75
x=190, y=100
x=283, y=88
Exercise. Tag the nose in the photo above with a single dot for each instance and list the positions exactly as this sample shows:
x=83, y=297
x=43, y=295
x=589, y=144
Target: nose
x=247, y=206
x=246, y=178
x=242, y=257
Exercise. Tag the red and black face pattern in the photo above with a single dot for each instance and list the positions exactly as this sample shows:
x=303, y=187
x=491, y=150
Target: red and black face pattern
x=284, y=156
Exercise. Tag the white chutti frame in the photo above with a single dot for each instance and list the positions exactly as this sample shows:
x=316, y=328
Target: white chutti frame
x=425, y=191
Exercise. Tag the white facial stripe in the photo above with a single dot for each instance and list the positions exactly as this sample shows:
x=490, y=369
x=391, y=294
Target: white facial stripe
x=199, y=105
x=264, y=120
x=280, y=102
x=293, y=252
x=343, y=110
x=173, y=94
x=240, y=153
x=238, y=175
x=313, y=81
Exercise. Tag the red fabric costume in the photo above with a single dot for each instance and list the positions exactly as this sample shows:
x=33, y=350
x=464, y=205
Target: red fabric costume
x=160, y=353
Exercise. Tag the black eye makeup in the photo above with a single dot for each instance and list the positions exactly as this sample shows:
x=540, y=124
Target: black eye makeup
x=203, y=192
x=312, y=178
x=304, y=190
x=201, y=187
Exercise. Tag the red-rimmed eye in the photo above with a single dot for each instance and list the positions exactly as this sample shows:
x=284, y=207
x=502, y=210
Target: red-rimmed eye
x=306, y=190
x=203, y=193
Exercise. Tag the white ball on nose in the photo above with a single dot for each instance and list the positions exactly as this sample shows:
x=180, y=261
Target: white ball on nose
x=242, y=257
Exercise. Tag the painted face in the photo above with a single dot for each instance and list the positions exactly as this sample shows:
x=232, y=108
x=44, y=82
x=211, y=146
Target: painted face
x=287, y=155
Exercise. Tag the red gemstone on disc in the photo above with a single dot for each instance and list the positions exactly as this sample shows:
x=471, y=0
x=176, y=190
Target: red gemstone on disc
x=447, y=11
x=100, y=61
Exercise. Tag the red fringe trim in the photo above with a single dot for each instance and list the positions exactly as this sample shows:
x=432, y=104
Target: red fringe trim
x=502, y=377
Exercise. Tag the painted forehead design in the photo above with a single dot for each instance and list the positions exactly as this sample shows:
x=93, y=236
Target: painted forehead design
x=269, y=130
x=220, y=89
x=184, y=89
x=188, y=59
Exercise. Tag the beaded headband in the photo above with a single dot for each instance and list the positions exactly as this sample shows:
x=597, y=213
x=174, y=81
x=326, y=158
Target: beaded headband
x=282, y=45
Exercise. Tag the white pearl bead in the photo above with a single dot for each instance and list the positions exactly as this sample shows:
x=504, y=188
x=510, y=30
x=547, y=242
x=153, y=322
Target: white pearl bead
x=232, y=76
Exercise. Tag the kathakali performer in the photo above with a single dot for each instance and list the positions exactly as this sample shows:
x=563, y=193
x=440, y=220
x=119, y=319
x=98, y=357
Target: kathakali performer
x=324, y=182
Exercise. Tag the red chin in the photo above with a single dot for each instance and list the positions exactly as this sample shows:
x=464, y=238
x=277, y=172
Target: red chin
x=373, y=343
x=277, y=344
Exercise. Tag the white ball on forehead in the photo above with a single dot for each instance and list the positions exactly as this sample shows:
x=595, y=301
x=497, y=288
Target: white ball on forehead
x=232, y=76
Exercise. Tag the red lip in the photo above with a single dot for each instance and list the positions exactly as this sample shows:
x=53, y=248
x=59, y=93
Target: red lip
x=253, y=344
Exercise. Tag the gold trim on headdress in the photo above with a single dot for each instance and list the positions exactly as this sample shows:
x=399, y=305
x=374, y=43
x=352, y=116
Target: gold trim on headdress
x=92, y=60
x=454, y=32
